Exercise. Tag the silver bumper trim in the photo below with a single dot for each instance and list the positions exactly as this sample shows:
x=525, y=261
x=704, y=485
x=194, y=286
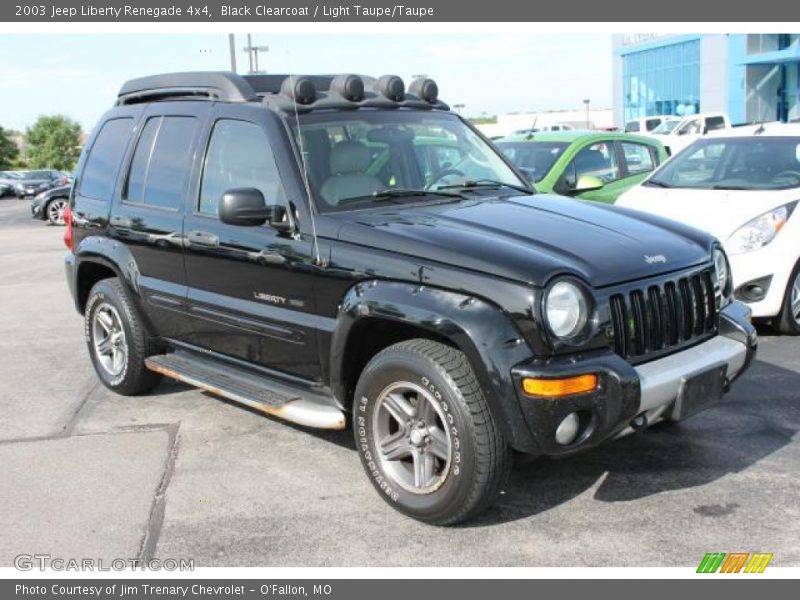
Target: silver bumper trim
x=661, y=379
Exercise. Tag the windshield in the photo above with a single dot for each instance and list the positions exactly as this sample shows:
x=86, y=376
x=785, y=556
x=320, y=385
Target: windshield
x=746, y=163
x=357, y=159
x=534, y=159
x=666, y=126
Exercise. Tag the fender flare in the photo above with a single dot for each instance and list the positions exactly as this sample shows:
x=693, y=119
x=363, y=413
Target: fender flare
x=488, y=337
x=111, y=254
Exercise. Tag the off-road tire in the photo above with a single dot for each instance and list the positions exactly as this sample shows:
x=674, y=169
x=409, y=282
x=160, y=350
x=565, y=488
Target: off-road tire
x=134, y=378
x=480, y=457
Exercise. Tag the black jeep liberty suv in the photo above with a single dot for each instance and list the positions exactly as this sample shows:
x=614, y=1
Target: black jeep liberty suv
x=340, y=251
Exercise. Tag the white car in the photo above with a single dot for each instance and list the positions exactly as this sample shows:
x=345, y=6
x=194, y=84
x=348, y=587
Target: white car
x=743, y=186
x=646, y=124
x=676, y=133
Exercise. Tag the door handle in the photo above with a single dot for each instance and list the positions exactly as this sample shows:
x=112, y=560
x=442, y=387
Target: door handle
x=203, y=237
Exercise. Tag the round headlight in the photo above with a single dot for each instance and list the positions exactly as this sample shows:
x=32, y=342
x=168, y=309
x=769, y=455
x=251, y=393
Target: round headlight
x=723, y=271
x=566, y=309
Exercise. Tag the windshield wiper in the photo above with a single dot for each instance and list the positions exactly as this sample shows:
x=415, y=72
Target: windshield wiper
x=730, y=187
x=394, y=194
x=655, y=182
x=478, y=183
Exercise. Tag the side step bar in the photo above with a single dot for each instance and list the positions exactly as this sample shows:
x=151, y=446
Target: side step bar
x=246, y=387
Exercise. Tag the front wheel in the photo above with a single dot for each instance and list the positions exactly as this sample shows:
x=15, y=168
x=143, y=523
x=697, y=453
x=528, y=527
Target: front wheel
x=425, y=434
x=55, y=211
x=788, y=320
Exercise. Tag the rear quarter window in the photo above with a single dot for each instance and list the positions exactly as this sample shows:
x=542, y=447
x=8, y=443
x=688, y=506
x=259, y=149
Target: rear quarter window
x=102, y=163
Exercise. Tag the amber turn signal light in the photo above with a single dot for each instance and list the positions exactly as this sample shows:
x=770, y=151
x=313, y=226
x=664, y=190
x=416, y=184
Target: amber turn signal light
x=559, y=387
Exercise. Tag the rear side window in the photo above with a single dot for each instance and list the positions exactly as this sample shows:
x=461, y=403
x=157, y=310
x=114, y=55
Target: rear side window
x=99, y=174
x=652, y=124
x=713, y=123
x=638, y=158
x=632, y=126
x=161, y=161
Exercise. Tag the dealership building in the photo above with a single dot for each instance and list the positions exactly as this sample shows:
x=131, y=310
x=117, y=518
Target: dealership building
x=752, y=77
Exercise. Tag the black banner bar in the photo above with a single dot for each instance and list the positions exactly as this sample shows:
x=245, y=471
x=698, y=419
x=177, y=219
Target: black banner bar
x=372, y=589
x=405, y=11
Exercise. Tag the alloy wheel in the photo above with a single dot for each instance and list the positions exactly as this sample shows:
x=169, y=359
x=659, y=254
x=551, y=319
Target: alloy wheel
x=794, y=299
x=412, y=438
x=55, y=211
x=108, y=335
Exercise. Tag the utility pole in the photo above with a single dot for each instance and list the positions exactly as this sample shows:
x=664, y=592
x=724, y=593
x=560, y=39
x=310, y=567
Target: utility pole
x=588, y=121
x=232, y=47
x=252, y=54
x=458, y=107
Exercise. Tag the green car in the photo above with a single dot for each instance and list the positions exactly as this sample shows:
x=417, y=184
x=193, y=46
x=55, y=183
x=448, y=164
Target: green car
x=592, y=165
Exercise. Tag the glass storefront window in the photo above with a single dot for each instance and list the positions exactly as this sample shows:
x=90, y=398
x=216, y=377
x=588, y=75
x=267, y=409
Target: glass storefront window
x=663, y=80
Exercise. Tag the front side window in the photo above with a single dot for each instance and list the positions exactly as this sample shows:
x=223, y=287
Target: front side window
x=597, y=160
x=161, y=162
x=652, y=124
x=358, y=159
x=99, y=175
x=693, y=127
x=758, y=163
x=534, y=159
x=638, y=158
x=238, y=156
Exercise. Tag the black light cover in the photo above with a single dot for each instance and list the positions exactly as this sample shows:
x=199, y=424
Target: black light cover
x=391, y=86
x=425, y=88
x=300, y=89
x=350, y=87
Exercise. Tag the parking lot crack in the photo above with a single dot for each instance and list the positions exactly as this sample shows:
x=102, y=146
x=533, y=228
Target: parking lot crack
x=156, y=520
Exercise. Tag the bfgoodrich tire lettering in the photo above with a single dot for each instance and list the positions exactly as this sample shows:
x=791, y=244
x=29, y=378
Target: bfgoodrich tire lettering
x=110, y=318
x=468, y=473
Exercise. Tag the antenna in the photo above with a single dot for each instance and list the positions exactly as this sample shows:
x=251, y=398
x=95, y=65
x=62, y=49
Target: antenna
x=306, y=184
x=533, y=127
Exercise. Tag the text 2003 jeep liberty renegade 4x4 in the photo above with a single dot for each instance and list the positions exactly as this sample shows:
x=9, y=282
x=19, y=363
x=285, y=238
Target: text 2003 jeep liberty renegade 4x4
x=322, y=246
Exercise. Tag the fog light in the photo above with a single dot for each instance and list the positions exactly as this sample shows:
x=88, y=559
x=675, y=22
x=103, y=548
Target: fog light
x=567, y=430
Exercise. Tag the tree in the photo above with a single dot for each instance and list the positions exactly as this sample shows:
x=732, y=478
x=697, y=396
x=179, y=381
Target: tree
x=53, y=143
x=8, y=150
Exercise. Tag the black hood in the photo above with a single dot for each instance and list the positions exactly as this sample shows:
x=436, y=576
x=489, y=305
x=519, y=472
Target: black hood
x=532, y=238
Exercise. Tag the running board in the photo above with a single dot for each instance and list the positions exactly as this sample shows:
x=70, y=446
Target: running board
x=248, y=388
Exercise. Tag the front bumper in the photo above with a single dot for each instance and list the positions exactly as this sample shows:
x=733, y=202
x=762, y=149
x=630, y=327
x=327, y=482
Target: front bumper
x=629, y=397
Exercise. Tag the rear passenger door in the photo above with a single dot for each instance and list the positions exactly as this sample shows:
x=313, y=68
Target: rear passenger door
x=148, y=216
x=250, y=288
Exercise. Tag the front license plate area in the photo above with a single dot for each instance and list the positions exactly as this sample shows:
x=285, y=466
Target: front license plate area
x=700, y=391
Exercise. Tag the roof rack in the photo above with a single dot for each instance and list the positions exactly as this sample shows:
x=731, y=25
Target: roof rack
x=285, y=93
x=211, y=85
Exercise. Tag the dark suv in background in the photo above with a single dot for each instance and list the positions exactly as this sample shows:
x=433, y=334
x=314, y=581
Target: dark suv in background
x=31, y=183
x=283, y=242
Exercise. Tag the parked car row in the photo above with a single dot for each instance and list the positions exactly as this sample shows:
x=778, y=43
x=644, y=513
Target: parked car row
x=23, y=184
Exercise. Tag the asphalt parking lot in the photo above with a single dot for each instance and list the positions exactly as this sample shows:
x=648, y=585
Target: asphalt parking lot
x=182, y=474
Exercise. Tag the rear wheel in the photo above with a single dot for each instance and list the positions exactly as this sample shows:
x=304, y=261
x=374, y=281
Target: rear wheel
x=55, y=211
x=788, y=320
x=425, y=435
x=117, y=341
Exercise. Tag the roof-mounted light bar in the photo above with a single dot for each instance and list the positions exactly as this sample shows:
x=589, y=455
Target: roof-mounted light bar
x=425, y=88
x=299, y=89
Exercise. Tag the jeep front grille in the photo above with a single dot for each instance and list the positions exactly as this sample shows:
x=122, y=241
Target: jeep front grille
x=665, y=316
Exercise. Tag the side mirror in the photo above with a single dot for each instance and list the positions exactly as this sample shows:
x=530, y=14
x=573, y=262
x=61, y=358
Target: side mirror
x=246, y=207
x=588, y=183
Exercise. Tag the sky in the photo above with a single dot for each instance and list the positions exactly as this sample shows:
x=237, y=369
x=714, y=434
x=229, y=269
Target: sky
x=79, y=75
